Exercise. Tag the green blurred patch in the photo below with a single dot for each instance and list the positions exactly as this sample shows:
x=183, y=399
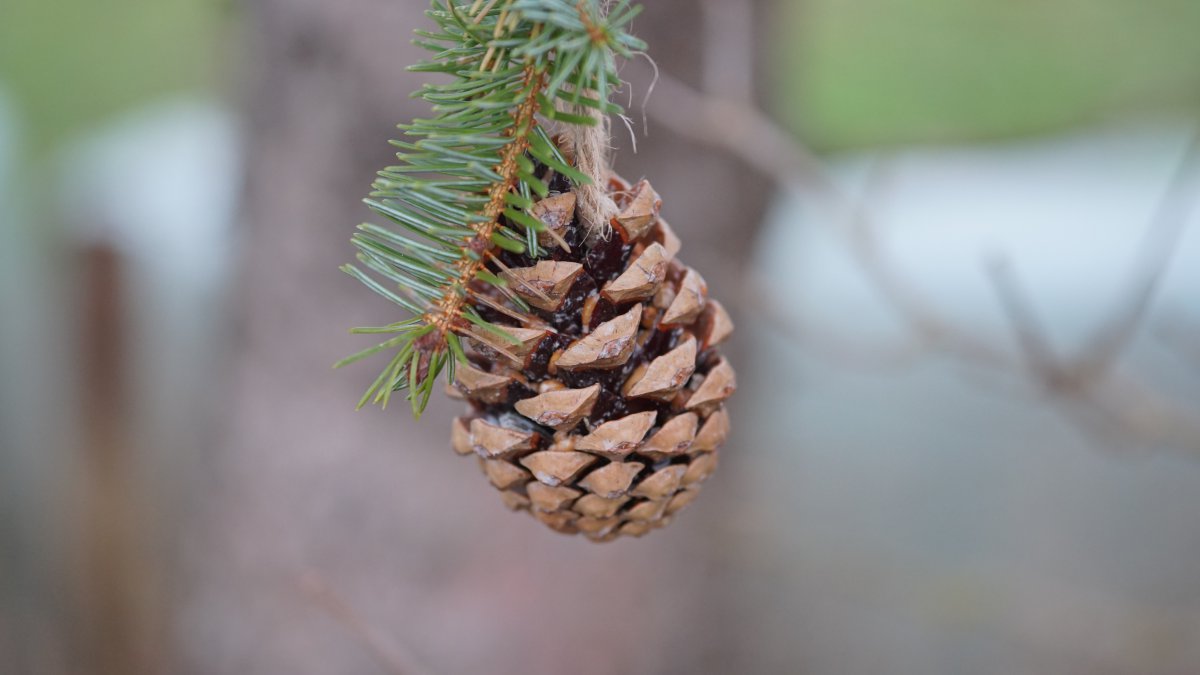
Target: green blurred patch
x=867, y=72
x=849, y=73
x=71, y=64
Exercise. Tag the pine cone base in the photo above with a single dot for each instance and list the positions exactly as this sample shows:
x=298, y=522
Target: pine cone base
x=603, y=414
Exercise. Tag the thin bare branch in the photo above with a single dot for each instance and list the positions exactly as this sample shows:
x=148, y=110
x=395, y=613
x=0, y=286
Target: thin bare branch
x=1025, y=324
x=1158, y=246
x=744, y=132
x=894, y=286
x=1128, y=411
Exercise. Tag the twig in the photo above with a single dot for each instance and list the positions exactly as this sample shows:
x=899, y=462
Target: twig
x=894, y=287
x=1159, y=244
x=744, y=132
x=1128, y=412
x=1025, y=324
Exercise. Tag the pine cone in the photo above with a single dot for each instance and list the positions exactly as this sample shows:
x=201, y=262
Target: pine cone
x=606, y=417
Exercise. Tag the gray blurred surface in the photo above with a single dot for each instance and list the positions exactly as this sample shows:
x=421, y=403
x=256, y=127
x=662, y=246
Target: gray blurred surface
x=933, y=518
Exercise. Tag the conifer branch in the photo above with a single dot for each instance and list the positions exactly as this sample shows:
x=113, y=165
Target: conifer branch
x=467, y=176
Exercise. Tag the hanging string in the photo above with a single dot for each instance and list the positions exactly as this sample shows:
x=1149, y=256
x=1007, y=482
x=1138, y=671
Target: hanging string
x=590, y=145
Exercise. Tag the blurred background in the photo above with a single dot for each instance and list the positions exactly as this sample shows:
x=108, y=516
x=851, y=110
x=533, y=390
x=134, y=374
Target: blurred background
x=958, y=238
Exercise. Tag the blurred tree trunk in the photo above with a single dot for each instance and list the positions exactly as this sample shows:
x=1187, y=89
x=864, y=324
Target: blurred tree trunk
x=375, y=507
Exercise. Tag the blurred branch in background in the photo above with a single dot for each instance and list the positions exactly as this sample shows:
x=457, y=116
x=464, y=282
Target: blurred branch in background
x=1083, y=385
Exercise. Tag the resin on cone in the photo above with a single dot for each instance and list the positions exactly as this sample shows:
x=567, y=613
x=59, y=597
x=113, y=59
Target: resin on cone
x=604, y=413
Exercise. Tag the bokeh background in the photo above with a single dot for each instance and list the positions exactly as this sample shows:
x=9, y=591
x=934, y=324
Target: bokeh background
x=957, y=236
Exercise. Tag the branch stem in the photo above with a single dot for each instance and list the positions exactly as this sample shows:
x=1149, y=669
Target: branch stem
x=447, y=313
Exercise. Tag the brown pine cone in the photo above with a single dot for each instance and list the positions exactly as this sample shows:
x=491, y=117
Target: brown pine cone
x=606, y=417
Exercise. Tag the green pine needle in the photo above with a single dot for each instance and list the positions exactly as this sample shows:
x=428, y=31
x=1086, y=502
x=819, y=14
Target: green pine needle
x=463, y=182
